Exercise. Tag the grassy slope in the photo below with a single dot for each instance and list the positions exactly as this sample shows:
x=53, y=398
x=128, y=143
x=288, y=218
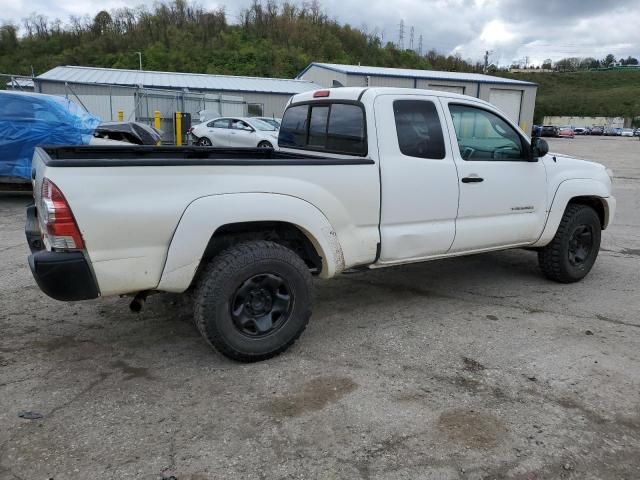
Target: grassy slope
x=610, y=94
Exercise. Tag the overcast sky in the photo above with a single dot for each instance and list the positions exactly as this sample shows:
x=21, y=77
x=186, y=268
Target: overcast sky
x=511, y=29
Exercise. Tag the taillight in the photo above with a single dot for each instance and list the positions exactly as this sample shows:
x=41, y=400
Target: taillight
x=321, y=93
x=57, y=219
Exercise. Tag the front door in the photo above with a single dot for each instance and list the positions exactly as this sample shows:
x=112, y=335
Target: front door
x=241, y=134
x=503, y=195
x=418, y=177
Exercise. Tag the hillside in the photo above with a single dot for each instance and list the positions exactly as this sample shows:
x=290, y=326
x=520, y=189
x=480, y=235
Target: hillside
x=270, y=39
x=607, y=93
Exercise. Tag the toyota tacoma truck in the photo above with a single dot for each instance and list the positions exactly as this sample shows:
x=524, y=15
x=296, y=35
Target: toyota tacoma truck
x=365, y=178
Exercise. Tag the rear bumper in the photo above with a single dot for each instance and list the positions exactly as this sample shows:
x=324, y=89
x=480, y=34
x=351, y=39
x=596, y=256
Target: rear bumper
x=61, y=275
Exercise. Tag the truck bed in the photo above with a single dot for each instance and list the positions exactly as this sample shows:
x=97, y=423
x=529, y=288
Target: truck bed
x=140, y=156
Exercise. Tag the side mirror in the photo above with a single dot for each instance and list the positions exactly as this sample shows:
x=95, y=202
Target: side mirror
x=539, y=148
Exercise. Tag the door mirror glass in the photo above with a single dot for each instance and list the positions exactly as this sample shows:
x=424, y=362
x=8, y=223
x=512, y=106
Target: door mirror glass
x=539, y=148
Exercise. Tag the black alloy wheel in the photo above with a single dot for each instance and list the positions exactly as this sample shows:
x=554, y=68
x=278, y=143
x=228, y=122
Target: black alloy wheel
x=580, y=244
x=261, y=305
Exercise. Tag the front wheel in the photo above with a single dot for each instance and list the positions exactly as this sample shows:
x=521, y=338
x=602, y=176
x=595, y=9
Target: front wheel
x=253, y=300
x=265, y=144
x=204, y=142
x=574, y=249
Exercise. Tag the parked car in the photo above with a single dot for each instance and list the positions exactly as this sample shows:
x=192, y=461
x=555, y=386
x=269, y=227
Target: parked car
x=549, y=131
x=130, y=132
x=597, y=130
x=580, y=131
x=636, y=132
x=627, y=132
x=566, y=132
x=536, y=131
x=271, y=121
x=235, y=132
x=244, y=230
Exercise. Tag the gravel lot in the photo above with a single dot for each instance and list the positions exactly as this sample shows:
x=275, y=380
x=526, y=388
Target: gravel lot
x=472, y=368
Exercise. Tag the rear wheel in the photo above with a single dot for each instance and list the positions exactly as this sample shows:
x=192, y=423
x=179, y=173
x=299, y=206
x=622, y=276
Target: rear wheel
x=574, y=249
x=265, y=144
x=253, y=300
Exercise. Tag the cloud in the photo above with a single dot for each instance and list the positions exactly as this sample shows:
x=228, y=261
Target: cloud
x=511, y=29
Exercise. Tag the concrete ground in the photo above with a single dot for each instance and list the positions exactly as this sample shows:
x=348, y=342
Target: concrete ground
x=472, y=368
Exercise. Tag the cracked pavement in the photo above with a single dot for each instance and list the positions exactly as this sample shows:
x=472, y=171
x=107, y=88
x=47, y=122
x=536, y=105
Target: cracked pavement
x=469, y=368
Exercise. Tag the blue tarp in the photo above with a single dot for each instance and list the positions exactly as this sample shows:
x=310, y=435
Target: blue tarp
x=31, y=119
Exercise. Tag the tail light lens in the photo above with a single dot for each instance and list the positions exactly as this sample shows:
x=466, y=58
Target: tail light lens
x=57, y=219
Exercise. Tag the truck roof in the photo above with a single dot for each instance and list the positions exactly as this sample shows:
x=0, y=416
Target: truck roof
x=356, y=93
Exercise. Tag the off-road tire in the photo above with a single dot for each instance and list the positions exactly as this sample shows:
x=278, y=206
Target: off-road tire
x=554, y=258
x=220, y=283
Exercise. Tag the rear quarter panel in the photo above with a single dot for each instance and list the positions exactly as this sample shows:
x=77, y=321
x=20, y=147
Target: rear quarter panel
x=128, y=215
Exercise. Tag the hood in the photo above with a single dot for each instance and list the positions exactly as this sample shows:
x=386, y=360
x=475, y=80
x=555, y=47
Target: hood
x=561, y=167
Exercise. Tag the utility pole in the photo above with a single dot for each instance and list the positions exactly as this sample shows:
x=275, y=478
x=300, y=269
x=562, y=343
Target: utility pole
x=401, y=36
x=485, y=69
x=411, y=32
x=140, y=59
x=420, y=46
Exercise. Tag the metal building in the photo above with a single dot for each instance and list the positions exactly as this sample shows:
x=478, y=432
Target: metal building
x=138, y=93
x=514, y=97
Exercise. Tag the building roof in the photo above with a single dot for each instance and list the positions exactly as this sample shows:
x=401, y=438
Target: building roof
x=20, y=82
x=175, y=80
x=409, y=73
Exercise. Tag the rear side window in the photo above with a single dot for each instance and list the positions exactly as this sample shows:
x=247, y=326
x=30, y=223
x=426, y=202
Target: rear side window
x=418, y=128
x=222, y=123
x=329, y=127
x=293, y=130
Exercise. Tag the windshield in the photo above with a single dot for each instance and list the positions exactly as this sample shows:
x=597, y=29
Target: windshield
x=260, y=125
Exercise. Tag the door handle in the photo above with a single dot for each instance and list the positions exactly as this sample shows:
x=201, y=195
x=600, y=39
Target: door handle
x=472, y=180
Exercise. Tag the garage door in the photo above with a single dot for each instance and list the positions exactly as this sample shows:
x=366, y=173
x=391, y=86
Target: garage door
x=508, y=101
x=447, y=88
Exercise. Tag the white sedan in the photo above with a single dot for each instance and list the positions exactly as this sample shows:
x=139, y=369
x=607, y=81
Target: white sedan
x=235, y=132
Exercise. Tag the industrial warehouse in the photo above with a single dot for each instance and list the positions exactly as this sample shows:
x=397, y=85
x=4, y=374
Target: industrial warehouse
x=134, y=95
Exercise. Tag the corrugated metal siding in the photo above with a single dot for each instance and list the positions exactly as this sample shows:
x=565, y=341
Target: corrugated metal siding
x=375, y=81
x=325, y=78
x=272, y=105
x=410, y=73
x=470, y=88
x=173, y=80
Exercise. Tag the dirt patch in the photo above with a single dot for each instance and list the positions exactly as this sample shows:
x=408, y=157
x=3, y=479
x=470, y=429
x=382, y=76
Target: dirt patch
x=471, y=365
x=52, y=344
x=471, y=429
x=131, y=372
x=315, y=395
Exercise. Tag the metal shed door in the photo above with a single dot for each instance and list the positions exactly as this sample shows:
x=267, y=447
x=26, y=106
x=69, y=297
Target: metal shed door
x=508, y=101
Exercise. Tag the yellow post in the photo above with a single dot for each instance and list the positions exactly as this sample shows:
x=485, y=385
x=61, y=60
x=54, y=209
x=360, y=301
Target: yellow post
x=156, y=122
x=178, y=128
x=120, y=116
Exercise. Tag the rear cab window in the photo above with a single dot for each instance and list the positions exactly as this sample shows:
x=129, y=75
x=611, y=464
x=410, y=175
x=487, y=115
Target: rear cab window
x=328, y=126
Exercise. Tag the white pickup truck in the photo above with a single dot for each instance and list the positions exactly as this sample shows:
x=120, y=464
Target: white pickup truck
x=365, y=178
